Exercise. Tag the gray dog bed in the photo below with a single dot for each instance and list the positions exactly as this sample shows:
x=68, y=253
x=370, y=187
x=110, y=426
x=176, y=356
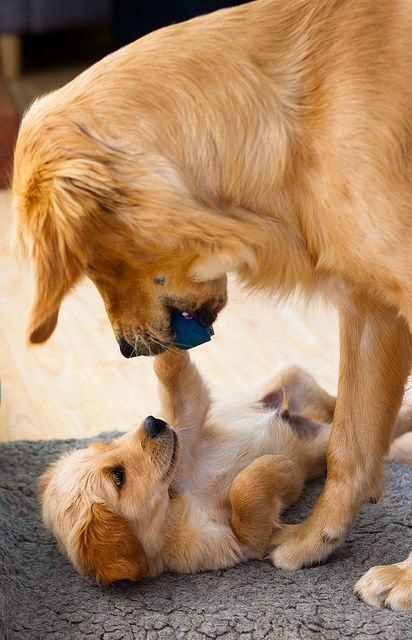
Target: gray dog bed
x=43, y=598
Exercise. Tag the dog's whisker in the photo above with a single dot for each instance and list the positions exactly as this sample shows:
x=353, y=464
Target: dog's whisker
x=155, y=340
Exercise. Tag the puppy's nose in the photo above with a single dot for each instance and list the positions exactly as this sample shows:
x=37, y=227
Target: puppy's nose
x=154, y=426
x=126, y=349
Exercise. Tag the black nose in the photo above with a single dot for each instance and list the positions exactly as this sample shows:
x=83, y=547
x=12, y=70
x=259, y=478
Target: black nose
x=154, y=426
x=126, y=349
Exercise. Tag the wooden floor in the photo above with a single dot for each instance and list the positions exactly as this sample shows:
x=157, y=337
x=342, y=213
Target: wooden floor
x=78, y=384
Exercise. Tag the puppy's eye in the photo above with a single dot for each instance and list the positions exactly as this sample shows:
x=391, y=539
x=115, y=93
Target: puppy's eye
x=118, y=476
x=161, y=280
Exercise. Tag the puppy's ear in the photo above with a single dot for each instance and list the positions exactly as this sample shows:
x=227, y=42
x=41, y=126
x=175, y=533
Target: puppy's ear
x=106, y=547
x=43, y=481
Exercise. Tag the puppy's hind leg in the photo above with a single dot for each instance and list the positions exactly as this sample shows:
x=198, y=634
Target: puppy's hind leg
x=307, y=409
x=401, y=448
x=295, y=390
x=256, y=499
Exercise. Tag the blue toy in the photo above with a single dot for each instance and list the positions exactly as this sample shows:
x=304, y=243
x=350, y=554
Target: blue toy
x=189, y=332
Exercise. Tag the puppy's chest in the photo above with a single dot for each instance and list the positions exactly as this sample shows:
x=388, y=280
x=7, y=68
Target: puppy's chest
x=211, y=506
x=206, y=481
x=205, y=497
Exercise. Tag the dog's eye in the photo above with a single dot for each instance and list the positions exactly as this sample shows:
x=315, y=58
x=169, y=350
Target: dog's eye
x=118, y=476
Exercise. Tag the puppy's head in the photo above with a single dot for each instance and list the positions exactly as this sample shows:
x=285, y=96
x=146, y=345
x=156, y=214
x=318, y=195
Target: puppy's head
x=106, y=504
x=123, y=217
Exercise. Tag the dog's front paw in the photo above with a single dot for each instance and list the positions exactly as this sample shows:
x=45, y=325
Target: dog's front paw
x=387, y=586
x=303, y=545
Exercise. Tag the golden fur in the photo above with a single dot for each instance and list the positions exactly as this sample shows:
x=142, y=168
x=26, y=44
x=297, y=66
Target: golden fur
x=204, y=495
x=272, y=140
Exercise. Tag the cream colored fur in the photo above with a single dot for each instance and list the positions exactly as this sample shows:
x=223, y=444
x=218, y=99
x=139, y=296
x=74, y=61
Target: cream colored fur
x=217, y=503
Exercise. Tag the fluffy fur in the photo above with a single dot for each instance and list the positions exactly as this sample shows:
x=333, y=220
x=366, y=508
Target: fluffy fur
x=205, y=493
x=273, y=140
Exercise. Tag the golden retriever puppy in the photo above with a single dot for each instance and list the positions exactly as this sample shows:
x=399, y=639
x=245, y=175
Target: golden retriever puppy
x=272, y=140
x=202, y=491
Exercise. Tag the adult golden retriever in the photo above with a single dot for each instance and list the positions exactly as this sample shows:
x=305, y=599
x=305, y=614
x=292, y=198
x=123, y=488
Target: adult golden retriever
x=273, y=140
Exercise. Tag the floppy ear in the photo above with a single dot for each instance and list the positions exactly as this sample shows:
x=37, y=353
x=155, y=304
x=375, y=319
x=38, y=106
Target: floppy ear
x=57, y=268
x=57, y=220
x=43, y=481
x=106, y=547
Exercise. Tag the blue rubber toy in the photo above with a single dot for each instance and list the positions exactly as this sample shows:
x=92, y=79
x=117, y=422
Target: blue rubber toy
x=189, y=332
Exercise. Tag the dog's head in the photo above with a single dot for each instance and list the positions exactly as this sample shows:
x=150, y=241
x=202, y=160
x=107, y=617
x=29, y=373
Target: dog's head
x=106, y=504
x=127, y=220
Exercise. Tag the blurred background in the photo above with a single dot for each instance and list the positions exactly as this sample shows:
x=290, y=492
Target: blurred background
x=45, y=43
x=78, y=384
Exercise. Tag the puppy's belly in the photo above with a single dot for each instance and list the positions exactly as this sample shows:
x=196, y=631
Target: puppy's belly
x=229, y=451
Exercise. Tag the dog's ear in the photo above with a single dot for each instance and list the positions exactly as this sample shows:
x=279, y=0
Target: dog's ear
x=106, y=547
x=56, y=222
x=44, y=480
x=57, y=267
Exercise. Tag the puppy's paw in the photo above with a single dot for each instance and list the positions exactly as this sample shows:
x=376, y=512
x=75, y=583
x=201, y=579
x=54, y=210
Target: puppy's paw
x=256, y=498
x=303, y=545
x=387, y=586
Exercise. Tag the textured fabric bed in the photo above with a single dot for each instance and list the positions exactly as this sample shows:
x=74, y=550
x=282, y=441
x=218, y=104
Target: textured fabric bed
x=42, y=598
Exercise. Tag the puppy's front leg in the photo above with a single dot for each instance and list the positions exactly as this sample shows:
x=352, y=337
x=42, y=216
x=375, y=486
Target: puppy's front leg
x=256, y=499
x=184, y=397
x=376, y=356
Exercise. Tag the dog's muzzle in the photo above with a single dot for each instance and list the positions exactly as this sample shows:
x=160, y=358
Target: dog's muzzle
x=154, y=427
x=131, y=351
x=126, y=349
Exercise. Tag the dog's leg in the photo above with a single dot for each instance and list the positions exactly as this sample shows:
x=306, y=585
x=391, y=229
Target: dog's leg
x=297, y=391
x=375, y=362
x=184, y=397
x=256, y=499
x=403, y=422
x=388, y=586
